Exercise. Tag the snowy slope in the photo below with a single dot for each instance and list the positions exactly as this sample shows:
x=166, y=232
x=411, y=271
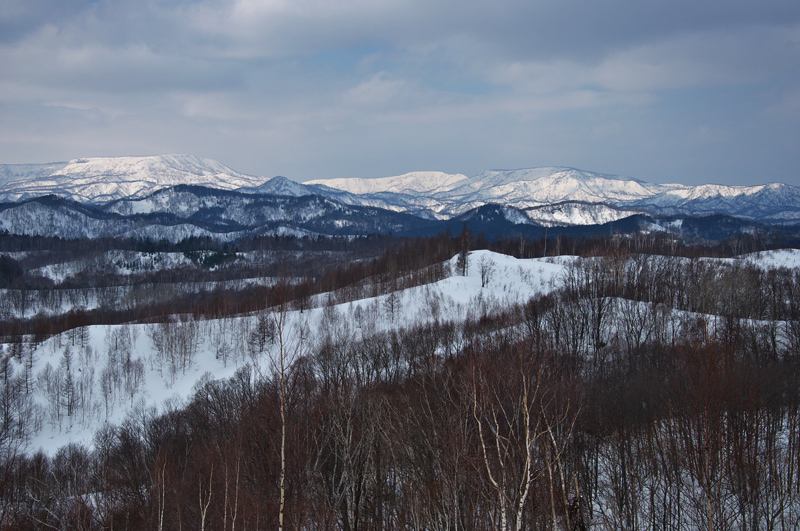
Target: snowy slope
x=178, y=212
x=121, y=372
x=445, y=196
x=449, y=195
x=414, y=183
x=773, y=202
x=577, y=213
x=788, y=258
x=104, y=179
x=552, y=185
x=279, y=186
x=106, y=351
x=427, y=194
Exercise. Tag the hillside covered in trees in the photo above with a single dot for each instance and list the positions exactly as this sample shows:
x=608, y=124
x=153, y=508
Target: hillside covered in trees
x=384, y=383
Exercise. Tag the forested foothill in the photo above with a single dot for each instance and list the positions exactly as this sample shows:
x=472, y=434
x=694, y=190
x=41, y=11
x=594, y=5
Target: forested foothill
x=625, y=381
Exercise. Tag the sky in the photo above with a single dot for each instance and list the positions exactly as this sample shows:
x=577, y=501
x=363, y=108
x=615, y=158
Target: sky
x=680, y=91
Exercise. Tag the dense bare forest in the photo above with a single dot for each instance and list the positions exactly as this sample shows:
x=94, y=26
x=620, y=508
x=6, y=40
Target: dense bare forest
x=654, y=387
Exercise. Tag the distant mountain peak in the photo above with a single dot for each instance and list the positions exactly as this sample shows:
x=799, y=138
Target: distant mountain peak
x=280, y=186
x=103, y=179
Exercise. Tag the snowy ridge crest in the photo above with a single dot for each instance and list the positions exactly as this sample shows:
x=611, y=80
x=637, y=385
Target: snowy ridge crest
x=445, y=196
x=102, y=179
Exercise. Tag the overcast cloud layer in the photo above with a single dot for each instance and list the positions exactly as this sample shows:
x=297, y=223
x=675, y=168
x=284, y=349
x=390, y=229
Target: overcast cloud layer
x=679, y=91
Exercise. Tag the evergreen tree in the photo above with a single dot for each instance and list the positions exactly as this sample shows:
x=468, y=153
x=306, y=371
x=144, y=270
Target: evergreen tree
x=464, y=244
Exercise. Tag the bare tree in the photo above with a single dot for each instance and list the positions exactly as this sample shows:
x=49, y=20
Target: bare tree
x=508, y=426
x=486, y=267
x=288, y=344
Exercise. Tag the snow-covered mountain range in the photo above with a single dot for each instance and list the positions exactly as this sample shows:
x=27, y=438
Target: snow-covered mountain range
x=445, y=195
x=548, y=196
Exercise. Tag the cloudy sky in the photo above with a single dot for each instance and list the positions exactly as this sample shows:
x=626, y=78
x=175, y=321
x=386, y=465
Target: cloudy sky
x=678, y=91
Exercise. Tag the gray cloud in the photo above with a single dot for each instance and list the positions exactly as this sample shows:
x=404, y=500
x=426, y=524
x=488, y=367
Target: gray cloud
x=681, y=91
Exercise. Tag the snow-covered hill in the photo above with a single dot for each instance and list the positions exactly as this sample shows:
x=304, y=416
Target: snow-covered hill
x=130, y=369
x=123, y=369
x=98, y=180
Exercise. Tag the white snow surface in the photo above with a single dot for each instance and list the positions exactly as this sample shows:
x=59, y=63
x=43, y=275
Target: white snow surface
x=555, y=184
x=430, y=194
x=788, y=258
x=418, y=182
x=571, y=213
x=453, y=299
x=104, y=179
x=447, y=195
x=538, y=186
x=520, y=188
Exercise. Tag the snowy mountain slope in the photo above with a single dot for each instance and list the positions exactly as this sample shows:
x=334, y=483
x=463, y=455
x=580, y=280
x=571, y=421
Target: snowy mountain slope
x=58, y=218
x=773, y=202
x=447, y=196
x=279, y=186
x=418, y=205
x=182, y=211
x=427, y=194
x=413, y=183
x=528, y=187
x=176, y=213
x=223, y=209
x=50, y=216
x=98, y=180
x=577, y=213
x=28, y=172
